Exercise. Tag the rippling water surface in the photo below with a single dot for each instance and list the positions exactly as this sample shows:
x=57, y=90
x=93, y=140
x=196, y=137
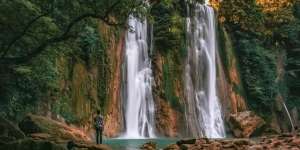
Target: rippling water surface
x=134, y=144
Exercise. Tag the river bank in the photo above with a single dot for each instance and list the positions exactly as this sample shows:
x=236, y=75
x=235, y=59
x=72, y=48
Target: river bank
x=274, y=142
x=40, y=133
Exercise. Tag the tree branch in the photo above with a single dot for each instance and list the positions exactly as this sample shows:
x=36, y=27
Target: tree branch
x=64, y=36
x=18, y=37
x=111, y=8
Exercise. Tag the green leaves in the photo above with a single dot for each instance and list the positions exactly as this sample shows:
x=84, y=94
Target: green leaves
x=30, y=26
x=241, y=14
x=169, y=75
x=169, y=26
x=23, y=70
x=258, y=69
x=89, y=38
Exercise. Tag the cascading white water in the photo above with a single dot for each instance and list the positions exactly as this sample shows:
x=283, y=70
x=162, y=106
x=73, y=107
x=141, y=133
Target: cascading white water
x=138, y=100
x=203, y=111
x=289, y=115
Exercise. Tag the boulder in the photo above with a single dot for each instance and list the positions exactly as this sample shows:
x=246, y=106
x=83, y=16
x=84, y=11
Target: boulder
x=148, y=146
x=269, y=143
x=186, y=141
x=295, y=142
x=35, y=125
x=256, y=147
x=215, y=146
x=186, y=146
x=244, y=124
x=9, y=132
x=172, y=147
x=37, y=144
x=40, y=136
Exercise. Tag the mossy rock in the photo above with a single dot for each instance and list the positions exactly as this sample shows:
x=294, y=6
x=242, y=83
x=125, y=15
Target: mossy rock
x=39, y=124
x=244, y=124
x=29, y=144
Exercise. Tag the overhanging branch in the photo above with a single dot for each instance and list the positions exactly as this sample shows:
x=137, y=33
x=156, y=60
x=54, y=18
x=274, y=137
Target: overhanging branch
x=64, y=36
x=18, y=37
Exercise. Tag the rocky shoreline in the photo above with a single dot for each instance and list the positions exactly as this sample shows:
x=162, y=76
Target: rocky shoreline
x=275, y=142
x=40, y=133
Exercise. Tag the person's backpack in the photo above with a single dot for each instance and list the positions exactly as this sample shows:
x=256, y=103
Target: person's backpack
x=99, y=122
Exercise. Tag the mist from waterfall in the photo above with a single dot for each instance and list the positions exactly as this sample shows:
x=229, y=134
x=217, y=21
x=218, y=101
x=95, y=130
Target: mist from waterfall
x=137, y=86
x=203, y=110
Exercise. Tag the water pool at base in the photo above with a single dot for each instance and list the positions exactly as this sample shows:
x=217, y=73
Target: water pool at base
x=134, y=144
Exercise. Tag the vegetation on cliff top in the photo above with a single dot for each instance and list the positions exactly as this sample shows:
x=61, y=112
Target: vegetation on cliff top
x=262, y=31
x=169, y=42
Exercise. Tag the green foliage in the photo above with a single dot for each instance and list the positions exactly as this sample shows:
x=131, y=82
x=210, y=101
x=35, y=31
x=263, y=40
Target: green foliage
x=29, y=26
x=62, y=108
x=27, y=85
x=261, y=30
x=15, y=109
x=102, y=62
x=41, y=76
x=290, y=34
x=297, y=10
x=92, y=47
x=169, y=24
x=169, y=42
x=225, y=48
x=168, y=87
x=242, y=15
x=258, y=70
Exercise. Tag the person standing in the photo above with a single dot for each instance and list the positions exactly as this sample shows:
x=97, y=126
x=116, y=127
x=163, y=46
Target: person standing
x=98, y=121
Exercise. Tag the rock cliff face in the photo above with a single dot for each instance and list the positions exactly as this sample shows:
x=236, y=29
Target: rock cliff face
x=167, y=117
x=230, y=87
x=113, y=108
x=87, y=85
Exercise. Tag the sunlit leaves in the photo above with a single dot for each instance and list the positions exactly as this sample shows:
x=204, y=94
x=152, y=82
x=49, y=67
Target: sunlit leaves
x=241, y=13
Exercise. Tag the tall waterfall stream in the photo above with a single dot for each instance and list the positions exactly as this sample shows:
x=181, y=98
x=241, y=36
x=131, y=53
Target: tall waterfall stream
x=203, y=111
x=137, y=91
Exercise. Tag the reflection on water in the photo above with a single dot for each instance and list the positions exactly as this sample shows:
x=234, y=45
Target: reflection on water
x=134, y=144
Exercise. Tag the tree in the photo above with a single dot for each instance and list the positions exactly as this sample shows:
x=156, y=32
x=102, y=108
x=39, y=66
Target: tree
x=29, y=27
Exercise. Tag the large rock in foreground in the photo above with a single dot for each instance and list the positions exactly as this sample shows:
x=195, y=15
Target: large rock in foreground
x=244, y=124
x=279, y=142
x=51, y=144
x=9, y=132
x=30, y=144
x=44, y=134
x=33, y=124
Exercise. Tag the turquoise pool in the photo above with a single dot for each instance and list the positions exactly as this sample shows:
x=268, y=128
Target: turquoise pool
x=134, y=144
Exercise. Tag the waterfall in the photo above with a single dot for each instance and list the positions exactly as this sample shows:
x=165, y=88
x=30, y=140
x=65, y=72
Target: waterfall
x=203, y=110
x=137, y=91
x=289, y=115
